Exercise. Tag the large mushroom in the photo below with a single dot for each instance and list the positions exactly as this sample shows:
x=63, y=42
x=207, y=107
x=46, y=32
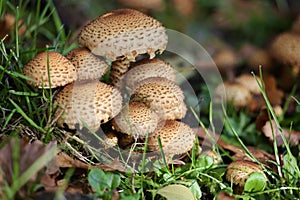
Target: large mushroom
x=124, y=33
x=87, y=102
x=137, y=120
x=147, y=68
x=162, y=95
x=88, y=66
x=49, y=70
x=176, y=138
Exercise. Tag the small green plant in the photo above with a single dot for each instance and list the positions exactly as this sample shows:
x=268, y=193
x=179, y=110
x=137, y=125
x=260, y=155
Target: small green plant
x=104, y=183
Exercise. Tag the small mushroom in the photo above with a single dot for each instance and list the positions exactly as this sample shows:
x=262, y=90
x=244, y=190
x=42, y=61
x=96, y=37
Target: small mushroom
x=249, y=82
x=61, y=70
x=285, y=49
x=147, y=68
x=176, y=138
x=234, y=92
x=162, y=95
x=88, y=66
x=118, y=70
x=238, y=172
x=260, y=57
x=226, y=61
x=124, y=33
x=91, y=102
x=7, y=25
x=136, y=120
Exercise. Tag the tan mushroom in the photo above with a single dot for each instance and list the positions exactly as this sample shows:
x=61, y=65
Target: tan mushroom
x=249, y=82
x=285, y=49
x=162, y=95
x=260, y=57
x=176, y=138
x=137, y=120
x=7, y=25
x=88, y=66
x=147, y=68
x=234, y=92
x=90, y=102
x=118, y=70
x=61, y=70
x=239, y=171
x=124, y=33
x=226, y=61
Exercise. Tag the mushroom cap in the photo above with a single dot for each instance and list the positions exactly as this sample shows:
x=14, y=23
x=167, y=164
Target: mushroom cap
x=239, y=171
x=136, y=119
x=176, y=138
x=285, y=48
x=162, y=95
x=62, y=71
x=225, y=59
x=235, y=92
x=260, y=57
x=90, y=101
x=147, y=68
x=124, y=33
x=249, y=82
x=118, y=70
x=88, y=66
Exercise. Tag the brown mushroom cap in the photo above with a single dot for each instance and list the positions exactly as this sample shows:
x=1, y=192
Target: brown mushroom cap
x=124, y=33
x=136, y=119
x=88, y=66
x=249, y=82
x=62, y=71
x=176, y=138
x=234, y=92
x=260, y=57
x=285, y=48
x=147, y=68
x=91, y=101
x=118, y=70
x=239, y=171
x=162, y=95
x=225, y=59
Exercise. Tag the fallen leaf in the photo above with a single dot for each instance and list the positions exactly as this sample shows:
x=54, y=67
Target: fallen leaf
x=274, y=94
x=176, y=192
x=292, y=137
x=63, y=160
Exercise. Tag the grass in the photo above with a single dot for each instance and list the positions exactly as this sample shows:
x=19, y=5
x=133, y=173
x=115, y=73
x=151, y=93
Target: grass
x=27, y=112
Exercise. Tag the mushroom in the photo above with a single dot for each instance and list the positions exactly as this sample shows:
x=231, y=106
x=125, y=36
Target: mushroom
x=124, y=33
x=136, y=120
x=239, y=171
x=162, y=95
x=61, y=70
x=234, y=92
x=7, y=25
x=176, y=138
x=285, y=49
x=147, y=68
x=226, y=61
x=91, y=102
x=118, y=70
x=249, y=82
x=88, y=66
x=260, y=57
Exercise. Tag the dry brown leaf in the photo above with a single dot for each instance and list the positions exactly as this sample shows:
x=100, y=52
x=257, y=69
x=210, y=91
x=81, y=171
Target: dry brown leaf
x=224, y=196
x=292, y=136
x=65, y=161
x=274, y=94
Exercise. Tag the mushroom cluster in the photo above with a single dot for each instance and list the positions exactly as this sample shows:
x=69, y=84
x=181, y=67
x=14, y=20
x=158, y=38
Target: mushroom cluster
x=130, y=40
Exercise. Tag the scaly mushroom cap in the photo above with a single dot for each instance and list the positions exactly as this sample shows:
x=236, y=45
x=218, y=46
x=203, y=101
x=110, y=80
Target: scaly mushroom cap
x=147, y=68
x=118, y=70
x=88, y=66
x=91, y=101
x=124, y=33
x=162, y=95
x=234, y=92
x=249, y=82
x=176, y=138
x=239, y=171
x=136, y=119
x=61, y=70
x=285, y=48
